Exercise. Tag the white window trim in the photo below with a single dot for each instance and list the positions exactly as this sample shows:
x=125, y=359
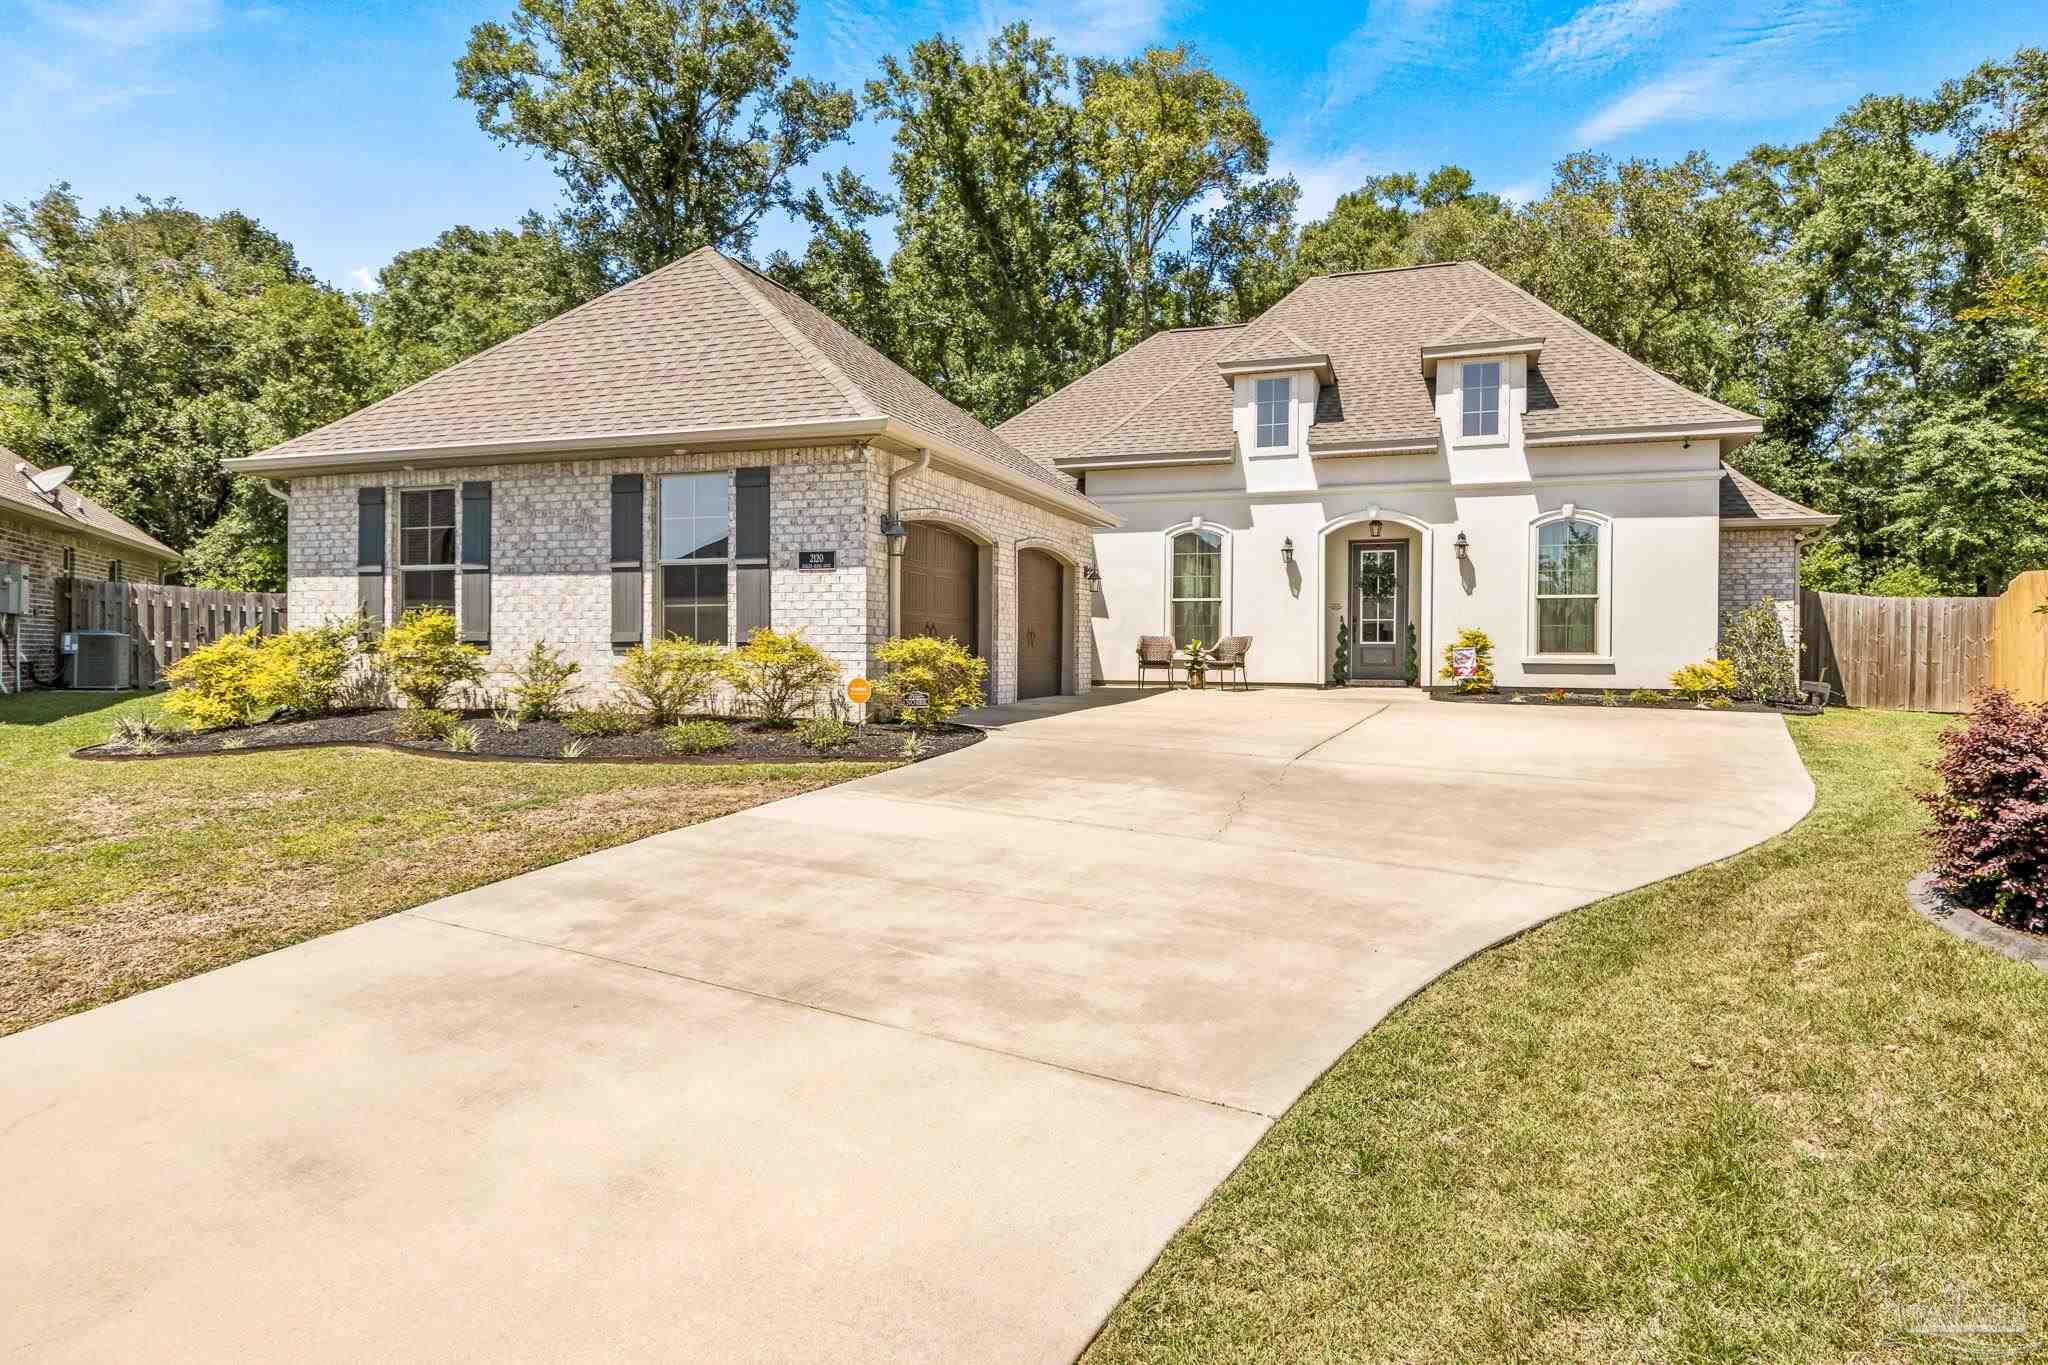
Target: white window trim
x=395, y=500
x=1603, y=615
x=1502, y=402
x=1286, y=445
x=661, y=559
x=1222, y=533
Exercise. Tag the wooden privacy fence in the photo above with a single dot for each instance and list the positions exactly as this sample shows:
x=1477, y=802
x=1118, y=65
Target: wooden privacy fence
x=1926, y=653
x=2019, y=661
x=166, y=623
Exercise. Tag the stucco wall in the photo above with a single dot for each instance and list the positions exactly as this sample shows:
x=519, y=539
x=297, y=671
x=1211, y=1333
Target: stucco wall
x=41, y=546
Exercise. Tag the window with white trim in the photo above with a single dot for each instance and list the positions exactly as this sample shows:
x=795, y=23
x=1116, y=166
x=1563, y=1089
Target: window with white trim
x=1568, y=587
x=1197, y=588
x=696, y=534
x=1275, y=401
x=426, y=549
x=1482, y=399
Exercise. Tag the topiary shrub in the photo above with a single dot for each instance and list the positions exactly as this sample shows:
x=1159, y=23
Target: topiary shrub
x=667, y=680
x=940, y=671
x=696, y=737
x=1753, y=640
x=1991, y=813
x=597, y=722
x=311, y=667
x=824, y=732
x=229, y=682
x=780, y=676
x=1708, y=678
x=1340, y=658
x=1482, y=678
x=542, y=683
x=424, y=659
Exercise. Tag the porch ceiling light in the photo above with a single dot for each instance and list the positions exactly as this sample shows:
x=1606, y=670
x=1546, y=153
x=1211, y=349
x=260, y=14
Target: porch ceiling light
x=1463, y=546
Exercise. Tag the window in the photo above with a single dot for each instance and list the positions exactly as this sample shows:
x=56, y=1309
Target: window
x=115, y=574
x=1275, y=397
x=1197, y=587
x=426, y=549
x=70, y=562
x=1568, y=588
x=1482, y=399
x=695, y=535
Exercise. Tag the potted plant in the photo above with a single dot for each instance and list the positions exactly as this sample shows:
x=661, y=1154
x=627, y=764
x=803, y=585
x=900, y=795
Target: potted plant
x=1198, y=666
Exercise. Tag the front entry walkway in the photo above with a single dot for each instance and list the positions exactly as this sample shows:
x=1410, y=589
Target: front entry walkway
x=925, y=1067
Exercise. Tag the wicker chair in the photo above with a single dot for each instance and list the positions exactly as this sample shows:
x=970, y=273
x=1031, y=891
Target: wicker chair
x=1156, y=651
x=1229, y=656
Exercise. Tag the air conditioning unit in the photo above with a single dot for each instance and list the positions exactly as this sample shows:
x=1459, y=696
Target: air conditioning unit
x=105, y=661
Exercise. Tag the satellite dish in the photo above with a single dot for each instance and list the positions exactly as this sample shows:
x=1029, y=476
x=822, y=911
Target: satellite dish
x=50, y=480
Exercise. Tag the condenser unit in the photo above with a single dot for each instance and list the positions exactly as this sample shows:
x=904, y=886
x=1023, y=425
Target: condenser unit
x=104, y=661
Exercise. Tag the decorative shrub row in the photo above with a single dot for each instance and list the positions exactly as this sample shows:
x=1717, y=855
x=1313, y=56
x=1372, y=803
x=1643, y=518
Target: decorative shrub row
x=1991, y=812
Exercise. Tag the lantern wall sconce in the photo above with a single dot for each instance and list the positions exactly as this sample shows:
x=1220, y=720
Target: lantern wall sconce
x=895, y=533
x=1287, y=550
x=1090, y=575
x=1462, y=546
x=1373, y=528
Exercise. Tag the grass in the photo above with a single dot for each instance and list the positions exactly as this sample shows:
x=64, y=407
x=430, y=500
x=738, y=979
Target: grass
x=1700, y=1122
x=116, y=877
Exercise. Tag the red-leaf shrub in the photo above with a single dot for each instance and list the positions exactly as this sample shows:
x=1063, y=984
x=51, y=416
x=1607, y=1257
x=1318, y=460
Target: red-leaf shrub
x=1991, y=814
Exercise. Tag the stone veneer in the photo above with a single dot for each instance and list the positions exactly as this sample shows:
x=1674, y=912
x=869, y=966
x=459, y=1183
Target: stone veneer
x=1759, y=564
x=41, y=545
x=551, y=549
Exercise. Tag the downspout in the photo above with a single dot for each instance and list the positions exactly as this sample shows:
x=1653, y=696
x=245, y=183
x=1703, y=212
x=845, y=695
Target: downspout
x=895, y=535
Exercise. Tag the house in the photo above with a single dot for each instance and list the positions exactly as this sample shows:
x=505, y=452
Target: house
x=63, y=534
x=1392, y=456
x=697, y=453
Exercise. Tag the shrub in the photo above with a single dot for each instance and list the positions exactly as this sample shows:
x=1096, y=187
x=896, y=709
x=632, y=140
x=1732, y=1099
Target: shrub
x=575, y=748
x=1609, y=697
x=942, y=670
x=542, y=683
x=425, y=660
x=1340, y=658
x=229, y=682
x=424, y=722
x=913, y=747
x=824, y=732
x=1557, y=694
x=1482, y=678
x=595, y=722
x=1643, y=696
x=671, y=678
x=312, y=665
x=780, y=676
x=1753, y=641
x=696, y=737
x=145, y=733
x=1708, y=678
x=463, y=739
x=365, y=686
x=1991, y=814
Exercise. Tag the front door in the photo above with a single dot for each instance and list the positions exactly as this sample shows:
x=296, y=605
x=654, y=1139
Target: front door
x=1379, y=608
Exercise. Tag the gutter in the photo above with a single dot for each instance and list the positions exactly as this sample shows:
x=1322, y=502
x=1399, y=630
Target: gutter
x=87, y=528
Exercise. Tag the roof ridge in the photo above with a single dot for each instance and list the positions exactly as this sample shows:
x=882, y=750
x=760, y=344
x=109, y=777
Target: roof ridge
x=771, y=312
x=1157, y=394
x=1387, y=270
x=1093, y=371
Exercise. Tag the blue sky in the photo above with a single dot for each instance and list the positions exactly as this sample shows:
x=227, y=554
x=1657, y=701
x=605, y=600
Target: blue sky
x=337, y=125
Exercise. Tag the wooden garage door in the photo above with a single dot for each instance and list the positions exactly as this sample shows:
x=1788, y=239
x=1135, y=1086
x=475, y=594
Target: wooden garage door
x=941, y=586
x=1038, y=624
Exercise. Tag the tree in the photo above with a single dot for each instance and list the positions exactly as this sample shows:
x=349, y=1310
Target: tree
x=1394, y=220
x=673, y=124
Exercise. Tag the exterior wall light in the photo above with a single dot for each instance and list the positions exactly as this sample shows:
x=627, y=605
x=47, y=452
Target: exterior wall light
x=1373, y=527
x=1463, y=546
x=895, y=532
x=1090, y=574
x=1287, y=550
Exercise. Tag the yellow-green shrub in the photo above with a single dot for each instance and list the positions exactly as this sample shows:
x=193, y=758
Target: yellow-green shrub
x=311, y=663
x=949, y=677
x=425, y=660
x=1482, y=676
x=229, y=682
x=667, y=680
x=696, y=737
x=780, y=676
x=1707, y=678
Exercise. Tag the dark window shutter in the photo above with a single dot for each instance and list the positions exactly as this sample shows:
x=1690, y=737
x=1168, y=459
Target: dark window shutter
x=370, y=553
x=629, y=501
x=476, y=562
x=751, y=579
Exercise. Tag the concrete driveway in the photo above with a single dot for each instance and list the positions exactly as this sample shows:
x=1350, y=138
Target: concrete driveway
x=924, y=1067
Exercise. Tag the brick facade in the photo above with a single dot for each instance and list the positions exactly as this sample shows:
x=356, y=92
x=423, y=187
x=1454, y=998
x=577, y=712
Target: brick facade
x=1759, y=564
x=41, y=546
x=551, y=549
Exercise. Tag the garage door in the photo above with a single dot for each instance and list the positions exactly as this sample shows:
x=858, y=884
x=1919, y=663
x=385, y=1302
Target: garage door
x=941, y=585
x=1038, y=624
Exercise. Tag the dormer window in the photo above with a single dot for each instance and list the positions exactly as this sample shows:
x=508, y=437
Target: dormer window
x=1275, y=398
x=1482, y=399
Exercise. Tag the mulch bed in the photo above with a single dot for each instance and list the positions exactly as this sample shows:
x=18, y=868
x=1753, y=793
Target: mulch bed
x=1525, y=696
x=1925, y=895
x=543, y=741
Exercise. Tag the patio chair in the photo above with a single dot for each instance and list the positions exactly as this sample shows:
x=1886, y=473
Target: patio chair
x=1229, y=656
x=1156, y=651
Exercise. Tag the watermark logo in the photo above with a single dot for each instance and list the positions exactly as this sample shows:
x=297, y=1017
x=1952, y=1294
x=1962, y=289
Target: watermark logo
x=1946, y=1317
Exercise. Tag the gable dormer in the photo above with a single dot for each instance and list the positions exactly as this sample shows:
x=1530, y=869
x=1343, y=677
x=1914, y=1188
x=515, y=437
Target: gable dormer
x=1275, y=380
x=1480, y=370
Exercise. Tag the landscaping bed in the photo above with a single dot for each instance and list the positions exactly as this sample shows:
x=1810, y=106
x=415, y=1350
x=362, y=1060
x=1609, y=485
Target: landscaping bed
x=1615, y=699
x=548, y=741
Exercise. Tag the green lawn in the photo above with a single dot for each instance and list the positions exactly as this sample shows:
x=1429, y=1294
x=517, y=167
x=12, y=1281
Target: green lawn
x=115, y=877
x=1690, y=1123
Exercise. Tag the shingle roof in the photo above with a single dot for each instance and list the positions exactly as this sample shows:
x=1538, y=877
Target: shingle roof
x=1744, y=499
x=82, y=513
x=1372, y=325
x=704, y=343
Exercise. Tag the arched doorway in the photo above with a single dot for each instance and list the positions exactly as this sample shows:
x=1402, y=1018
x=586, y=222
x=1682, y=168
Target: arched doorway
x=941, y=584
x=1039, y=628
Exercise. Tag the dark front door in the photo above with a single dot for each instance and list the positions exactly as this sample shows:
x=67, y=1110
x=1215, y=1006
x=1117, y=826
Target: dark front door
x=941, y=585
x=1038, y=624
x=1379, y=608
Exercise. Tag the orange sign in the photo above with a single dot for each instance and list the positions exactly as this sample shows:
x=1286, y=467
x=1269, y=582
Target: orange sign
x=859, y=690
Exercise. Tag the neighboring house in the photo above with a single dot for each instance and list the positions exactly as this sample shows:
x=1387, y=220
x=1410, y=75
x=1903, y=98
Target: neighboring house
x=64, y=534
x=1415, y=450
x=698, y=453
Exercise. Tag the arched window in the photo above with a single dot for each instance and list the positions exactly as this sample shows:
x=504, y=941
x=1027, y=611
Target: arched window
x=1197, y=587
x=1568, y=587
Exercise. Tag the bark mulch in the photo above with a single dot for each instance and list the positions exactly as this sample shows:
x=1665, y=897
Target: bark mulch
x=1617, y=698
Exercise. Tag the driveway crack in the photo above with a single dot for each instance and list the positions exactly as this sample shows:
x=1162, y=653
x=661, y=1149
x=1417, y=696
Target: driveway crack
x=1279, y=774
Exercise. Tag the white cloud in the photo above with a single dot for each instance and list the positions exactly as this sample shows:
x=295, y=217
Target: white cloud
x=129, y=23
x=1396, y=33
x=1322, y=178
x=1777, y=59
x=1599, y=36
x=1525, y=191
x=362, y=277
x=1090, y=28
